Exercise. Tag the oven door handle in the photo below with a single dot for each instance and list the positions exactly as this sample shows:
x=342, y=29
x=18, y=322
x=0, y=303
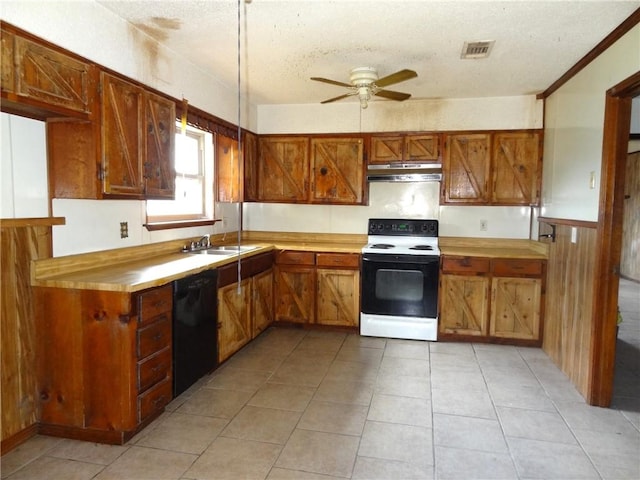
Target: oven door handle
x=392, y=258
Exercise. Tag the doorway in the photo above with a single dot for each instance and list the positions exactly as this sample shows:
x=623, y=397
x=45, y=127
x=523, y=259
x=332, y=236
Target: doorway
x=617, y=120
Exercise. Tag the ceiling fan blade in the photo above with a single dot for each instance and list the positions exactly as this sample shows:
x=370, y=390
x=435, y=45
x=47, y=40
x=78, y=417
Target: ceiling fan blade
x=397, y=77
x=332, y=82
x=338, y=98
x=391, y=95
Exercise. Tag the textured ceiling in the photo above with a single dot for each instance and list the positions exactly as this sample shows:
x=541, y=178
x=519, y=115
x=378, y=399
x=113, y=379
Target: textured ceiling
x=284, y=43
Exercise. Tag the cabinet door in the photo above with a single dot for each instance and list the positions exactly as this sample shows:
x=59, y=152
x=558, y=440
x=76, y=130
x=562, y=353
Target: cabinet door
x=422, y=148
x=159, y=170
x=385, y=149
x=234, y=318
x=294, y=294
x=7, y=67
x=51, y=77
x=122, y=110
x=516, y=168
x=283, y=170
x=250, y=157
x=262, y=301
x=228, y=169
x=466, y=168
x=464, y=307
x=515, y=309
x=338, y=297
x=337, y=168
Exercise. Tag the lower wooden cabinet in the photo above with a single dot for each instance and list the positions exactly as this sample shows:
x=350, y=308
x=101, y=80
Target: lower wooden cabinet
x=515, y=307
x=465, y=305
x=106, y=367
x=317, y=288
x=492, y=299
x=245, y=308
x=234, y=318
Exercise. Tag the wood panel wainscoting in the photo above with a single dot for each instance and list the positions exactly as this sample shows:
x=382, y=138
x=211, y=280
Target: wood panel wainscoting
x=569, y=298
x=22, y=240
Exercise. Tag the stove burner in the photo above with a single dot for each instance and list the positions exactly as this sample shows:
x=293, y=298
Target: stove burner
x=382, y=246
x=421, y=247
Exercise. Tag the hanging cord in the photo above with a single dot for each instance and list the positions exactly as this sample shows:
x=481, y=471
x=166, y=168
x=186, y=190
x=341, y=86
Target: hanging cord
x=239, y=150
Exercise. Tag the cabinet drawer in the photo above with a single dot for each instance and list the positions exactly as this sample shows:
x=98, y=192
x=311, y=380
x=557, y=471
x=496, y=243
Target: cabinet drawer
x=338, y=260
x=259, y=263
x=154, y=369
x=292, y=257
x=506, y=267
x=154, y=303
x=154, y=399
x=465, y=264
x=154, y=337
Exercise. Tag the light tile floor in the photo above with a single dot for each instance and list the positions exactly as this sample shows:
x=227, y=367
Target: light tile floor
x=316, y=405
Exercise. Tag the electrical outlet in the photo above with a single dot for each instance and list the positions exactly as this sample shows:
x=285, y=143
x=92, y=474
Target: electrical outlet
x=124, y=229
x=483, y=225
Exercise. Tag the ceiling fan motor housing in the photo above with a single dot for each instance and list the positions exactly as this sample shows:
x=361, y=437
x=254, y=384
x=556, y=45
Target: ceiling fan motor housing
x=363, y=76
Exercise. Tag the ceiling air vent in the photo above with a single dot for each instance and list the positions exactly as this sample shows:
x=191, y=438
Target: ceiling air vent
x=477, y=49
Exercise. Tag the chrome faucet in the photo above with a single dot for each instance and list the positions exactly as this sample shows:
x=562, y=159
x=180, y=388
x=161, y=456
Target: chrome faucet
x=204, y=242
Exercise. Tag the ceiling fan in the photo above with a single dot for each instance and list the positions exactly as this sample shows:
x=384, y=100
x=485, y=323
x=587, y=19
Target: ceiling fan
x=365, y=84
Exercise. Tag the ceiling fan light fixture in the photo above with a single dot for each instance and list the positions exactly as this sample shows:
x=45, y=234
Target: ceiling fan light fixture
x=364, y=94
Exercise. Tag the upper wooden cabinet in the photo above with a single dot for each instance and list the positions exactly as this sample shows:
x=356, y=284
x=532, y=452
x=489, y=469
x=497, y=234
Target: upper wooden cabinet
x=466, y=168
x=283, y=169
x=307, y=170
x=516, y=164
x=228, y=169
x=500, y=168
x=129, y=153
x=159, y=168
x=337, y=170
x=250, y=157
x=405, y=148
x=45, y=81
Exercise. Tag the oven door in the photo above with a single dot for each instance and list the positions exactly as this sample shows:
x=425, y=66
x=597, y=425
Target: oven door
x=400, y=285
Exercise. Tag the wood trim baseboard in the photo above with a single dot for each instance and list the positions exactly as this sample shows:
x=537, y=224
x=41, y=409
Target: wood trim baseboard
x=18, y=438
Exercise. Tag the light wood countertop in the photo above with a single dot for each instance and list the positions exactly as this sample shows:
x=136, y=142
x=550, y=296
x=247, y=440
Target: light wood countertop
x=138, y=268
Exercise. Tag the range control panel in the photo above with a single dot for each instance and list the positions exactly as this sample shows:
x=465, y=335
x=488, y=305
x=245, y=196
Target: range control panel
x=397, y=227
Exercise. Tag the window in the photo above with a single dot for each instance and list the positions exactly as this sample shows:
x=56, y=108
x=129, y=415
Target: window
x=194, y=180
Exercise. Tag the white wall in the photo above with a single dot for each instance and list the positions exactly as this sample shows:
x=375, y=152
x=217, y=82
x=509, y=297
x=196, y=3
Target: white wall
x=574, y=123
x=24, y=191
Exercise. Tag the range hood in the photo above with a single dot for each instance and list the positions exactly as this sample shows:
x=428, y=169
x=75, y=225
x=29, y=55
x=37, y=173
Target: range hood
x=405, y=172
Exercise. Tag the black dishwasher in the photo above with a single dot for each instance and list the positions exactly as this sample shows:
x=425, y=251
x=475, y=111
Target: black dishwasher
x=195, y=329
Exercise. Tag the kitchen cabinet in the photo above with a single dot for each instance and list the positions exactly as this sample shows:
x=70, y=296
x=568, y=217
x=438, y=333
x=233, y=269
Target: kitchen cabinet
x=295, y=287
x=283, y=169
x=413, y=147
x=245, y=306
x=129, y=153
x=228, y=169
x=466, y=168
x=492, y=168
x=317, y=288
x=250, y=158
x=338, y=289
x=106, y=361
x=261, y=302
x=516, y=164
x=234, y=318
x=45, y=80
x=492, y=299
x=337, y=170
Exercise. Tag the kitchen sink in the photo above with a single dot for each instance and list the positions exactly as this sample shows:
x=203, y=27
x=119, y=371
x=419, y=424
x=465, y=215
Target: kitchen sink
x=222, y=250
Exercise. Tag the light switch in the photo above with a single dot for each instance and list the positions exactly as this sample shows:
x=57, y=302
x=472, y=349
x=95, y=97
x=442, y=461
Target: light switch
x=574, y=234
